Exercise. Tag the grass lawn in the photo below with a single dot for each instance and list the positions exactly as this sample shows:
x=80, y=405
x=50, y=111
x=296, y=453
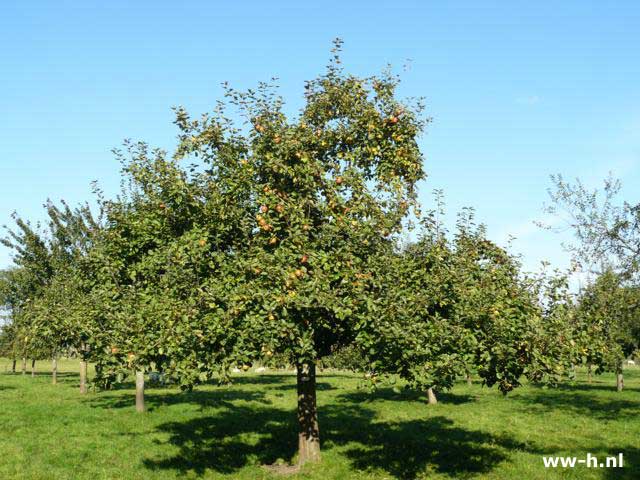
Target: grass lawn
x=51, y=432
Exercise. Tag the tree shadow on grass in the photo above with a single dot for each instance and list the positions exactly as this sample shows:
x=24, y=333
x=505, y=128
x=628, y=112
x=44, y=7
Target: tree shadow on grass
x=579, y=402
x=405, y=395
x=594, y=387
x=242, y=436
x=60, y=375
x=229, y=440
x=154, y=397
x=631, y=468
x=320, y=386
x=406, y=449
x=203, y=398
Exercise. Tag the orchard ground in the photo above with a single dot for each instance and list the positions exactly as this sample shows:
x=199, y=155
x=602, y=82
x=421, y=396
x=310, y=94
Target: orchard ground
x=52, y=432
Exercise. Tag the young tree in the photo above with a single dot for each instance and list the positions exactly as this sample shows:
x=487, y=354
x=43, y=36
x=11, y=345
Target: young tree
x=607, y=245
x=413, y=330
x=449, y=306
x=163, y=237
x=607, y=233
x=45, y=295
x=607, y=321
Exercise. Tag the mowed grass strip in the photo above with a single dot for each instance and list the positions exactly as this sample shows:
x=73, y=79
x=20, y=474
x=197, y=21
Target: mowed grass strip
x=51, y=432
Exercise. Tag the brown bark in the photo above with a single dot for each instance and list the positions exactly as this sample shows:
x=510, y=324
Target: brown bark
x=589, y=374
x=24, y=365
x=139, y=391
x=13, y=366
x=33, y=368
x=54, y=370
x=469, y=380
x=309, y=435
x=83, y=376
x=431, y=397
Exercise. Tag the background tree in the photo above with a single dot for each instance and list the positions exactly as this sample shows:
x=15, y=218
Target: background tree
x=607, y=314
x=607, y=233
x=447, y=306
x=607, y=246
x=47, y=260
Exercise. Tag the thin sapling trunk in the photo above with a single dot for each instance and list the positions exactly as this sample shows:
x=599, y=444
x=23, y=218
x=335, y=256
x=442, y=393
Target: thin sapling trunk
x=619, y=378
x=83, y=376
x=431, y=396
x=54, y=370
x=139, y=391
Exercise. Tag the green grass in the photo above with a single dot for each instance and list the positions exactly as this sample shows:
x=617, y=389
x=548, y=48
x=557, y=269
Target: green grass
x=51, y=432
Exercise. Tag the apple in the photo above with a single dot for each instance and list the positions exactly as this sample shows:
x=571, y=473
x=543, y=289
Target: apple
x=339, y=180
x=279, y=208
x=276, y=139
x=202, y=242
x=273, y=240
x=304, y=258
x=264, y=209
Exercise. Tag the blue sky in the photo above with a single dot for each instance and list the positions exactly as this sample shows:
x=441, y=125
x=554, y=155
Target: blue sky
x=517, y=90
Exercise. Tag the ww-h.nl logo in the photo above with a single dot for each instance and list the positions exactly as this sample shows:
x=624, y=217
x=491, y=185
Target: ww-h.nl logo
x=590, y=462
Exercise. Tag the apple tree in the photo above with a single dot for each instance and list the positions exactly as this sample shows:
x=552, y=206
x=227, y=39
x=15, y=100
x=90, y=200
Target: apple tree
x=311, y=200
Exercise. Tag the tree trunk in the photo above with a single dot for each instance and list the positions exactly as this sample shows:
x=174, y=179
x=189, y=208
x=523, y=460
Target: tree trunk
x=139, y=391
x=309, y=436
x=589, y=375
x=33, y=368
x=619, y=378
x=24, y=365
x=431, y=396
x=13, y=367
x=469, y=380
x=54, y=370
x=83, y=376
